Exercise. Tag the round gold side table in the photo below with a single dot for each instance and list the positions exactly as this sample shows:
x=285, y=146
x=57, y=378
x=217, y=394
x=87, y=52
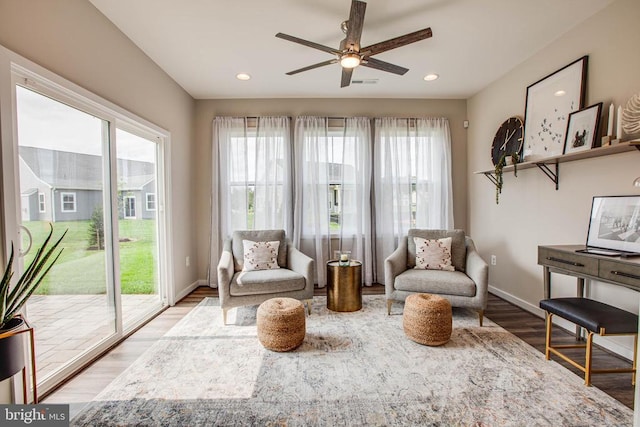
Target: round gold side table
x=344, y=286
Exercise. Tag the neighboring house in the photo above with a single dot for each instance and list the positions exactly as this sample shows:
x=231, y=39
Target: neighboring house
x=71, y=189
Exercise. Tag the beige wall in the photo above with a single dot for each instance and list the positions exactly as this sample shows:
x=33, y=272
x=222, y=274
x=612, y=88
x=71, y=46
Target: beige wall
x=74, y=40
x=206, y=110
x=531, y=212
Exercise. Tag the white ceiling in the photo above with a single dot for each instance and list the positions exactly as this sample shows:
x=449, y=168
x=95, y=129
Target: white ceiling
x=203, y=44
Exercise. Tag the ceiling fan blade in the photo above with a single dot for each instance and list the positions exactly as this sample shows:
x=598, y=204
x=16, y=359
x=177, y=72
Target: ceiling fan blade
x=398, y=42
x=384, y=66
x=354, y=25
x=311, y=67
x=308, y=43
x=346, y=77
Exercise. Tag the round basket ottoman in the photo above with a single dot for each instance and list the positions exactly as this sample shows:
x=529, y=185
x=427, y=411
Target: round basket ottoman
x=427, y=319
x=281, y=324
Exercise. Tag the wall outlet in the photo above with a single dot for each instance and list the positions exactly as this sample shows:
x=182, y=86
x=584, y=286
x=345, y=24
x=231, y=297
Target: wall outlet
x=494, y=260
x=187, y=261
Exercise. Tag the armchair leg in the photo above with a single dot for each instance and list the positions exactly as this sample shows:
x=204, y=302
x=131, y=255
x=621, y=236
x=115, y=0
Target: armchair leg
x=224, y=316
x=480, y=316
x=389, y=302
x=308, y=302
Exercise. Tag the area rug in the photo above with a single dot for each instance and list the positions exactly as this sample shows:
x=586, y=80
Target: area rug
x=353, y=369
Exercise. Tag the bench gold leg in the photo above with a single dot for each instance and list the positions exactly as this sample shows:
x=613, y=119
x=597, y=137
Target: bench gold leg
x=635, y=357
x=587, y=363
x=547, y=342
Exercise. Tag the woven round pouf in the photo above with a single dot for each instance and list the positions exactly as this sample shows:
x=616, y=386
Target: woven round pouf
x=427, y=319
x=281, y=324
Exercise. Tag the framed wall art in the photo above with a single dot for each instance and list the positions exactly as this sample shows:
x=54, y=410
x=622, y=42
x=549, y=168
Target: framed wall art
x=582, y=129
x=615, y=223
x=548, y=105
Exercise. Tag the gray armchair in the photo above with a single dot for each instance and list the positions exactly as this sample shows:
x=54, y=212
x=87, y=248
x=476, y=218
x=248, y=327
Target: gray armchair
x=467, y=286
x=294, y=278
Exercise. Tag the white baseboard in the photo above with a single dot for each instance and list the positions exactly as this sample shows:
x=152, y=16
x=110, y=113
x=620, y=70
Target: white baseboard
x=621, y=350
x=186, y=291
x=525, y=305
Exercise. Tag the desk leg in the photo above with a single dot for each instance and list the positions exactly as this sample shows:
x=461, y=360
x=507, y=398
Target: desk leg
x=579, y=294
x=547, y=283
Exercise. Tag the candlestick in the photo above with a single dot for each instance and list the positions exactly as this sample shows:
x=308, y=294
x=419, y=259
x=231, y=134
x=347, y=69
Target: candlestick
x=619, y=123
x=610, y=127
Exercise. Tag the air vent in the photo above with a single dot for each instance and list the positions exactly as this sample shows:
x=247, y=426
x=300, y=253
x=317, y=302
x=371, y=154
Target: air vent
x=365, y=82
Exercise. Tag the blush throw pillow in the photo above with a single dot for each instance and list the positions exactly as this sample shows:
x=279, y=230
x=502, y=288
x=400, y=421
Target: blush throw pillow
x=433, y=254
x=260, y=255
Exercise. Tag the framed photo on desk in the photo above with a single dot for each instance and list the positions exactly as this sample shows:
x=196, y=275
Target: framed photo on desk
x=615, y=223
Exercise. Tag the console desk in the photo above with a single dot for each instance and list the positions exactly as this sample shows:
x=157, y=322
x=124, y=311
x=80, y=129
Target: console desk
x=564, y=259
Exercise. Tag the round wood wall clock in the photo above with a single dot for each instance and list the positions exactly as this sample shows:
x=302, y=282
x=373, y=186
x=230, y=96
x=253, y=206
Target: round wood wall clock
x=509, y=139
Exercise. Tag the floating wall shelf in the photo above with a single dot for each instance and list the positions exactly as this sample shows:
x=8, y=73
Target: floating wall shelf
x=550, y=165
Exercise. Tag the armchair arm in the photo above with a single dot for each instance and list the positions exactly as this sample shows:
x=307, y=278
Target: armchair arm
x=478, y=270
x=225, y=272
x=301, y=264
x=395, y=264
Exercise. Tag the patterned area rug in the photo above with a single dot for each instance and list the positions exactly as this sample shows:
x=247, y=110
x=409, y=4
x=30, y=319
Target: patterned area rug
x=355, y=369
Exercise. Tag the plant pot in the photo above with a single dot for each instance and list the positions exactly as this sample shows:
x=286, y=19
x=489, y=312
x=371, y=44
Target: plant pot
x=12, y=349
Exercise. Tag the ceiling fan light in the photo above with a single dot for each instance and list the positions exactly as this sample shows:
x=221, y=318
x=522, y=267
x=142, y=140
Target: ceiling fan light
x=350, y=60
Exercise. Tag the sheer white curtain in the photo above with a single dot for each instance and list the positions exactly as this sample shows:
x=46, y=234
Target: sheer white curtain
x=413, y=180
x=333, y=190
x=251, y=178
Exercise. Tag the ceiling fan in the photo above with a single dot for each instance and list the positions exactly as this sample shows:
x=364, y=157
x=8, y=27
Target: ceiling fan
x=351, y=54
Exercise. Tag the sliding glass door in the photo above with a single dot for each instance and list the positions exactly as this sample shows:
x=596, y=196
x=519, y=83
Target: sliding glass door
x=137, y=168
x=62, y=182
x=98, y=179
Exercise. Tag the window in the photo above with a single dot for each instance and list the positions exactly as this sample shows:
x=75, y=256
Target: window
x=255, y=173
x=151, y=201
x=41, y=205
x=333, y=181
x=335, y=159
x=412, y=180
x=68, y=202
x=130, y=207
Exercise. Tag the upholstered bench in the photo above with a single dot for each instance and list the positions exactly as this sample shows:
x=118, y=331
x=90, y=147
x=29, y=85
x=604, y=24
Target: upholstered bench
x=597, y=318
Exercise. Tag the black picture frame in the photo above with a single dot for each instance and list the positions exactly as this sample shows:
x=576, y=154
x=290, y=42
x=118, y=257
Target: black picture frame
x=548, y=104
x=583, y=129
x=615, y=223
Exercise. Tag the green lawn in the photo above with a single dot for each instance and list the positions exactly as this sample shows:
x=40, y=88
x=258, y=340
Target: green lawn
x=82, y=271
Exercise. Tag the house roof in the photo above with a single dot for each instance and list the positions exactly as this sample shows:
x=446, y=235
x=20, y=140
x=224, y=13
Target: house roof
x=67, y=170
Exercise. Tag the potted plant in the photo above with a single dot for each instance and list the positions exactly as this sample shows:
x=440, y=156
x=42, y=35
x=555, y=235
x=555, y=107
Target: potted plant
x=498, y=169
x=13, y=298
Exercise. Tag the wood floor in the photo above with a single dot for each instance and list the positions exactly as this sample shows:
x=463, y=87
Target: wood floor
x=86, y=385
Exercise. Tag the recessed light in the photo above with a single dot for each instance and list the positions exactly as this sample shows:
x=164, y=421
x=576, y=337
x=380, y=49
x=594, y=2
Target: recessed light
x=431, y=77
x=560, y=93
x=243, y=76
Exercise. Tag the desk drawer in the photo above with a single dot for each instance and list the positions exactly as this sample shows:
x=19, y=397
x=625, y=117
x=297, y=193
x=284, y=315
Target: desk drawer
x=568, y=261
x=625, y=273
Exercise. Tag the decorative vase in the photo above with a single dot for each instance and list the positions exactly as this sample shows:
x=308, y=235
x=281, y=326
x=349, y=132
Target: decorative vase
x=12, y=349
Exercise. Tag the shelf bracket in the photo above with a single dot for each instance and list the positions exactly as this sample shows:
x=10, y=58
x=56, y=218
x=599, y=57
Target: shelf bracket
x=553, y=176
x=492, y=177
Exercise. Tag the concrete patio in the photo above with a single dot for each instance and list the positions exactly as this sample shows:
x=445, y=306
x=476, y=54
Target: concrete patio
x=67, y=325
